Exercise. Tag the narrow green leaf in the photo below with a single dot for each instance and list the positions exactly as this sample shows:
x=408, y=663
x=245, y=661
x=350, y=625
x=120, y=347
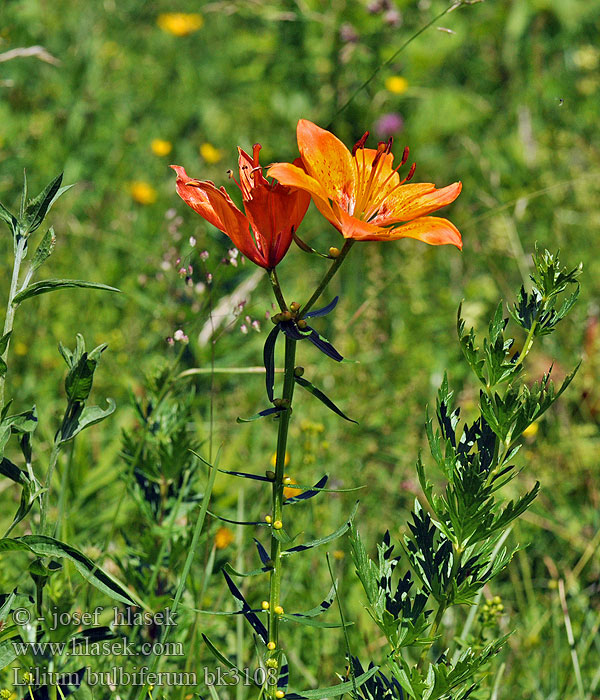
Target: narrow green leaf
x=311, y=622
x=45, y=286
x=261, y=414
x=322, y=397
x=224, y=660
x=334, y=690
x=322, y=540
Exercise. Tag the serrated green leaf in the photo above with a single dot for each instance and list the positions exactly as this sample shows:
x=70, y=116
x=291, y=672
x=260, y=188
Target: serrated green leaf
x=45, y=286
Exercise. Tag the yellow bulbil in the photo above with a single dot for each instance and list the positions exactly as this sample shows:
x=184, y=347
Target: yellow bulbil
x=271, y=646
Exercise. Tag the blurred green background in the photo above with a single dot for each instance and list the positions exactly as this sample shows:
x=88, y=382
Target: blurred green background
x=502, y=95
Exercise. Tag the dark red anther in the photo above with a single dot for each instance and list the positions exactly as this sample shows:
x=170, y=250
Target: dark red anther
x=411, y=172
x=360, y=143
x=405, y=155
x=255, y=151
x=389, y=144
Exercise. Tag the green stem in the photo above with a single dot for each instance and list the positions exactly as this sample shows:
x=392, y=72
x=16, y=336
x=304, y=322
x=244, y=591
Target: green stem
x=20, y=249
x=277, y=289
x=528, y=343
x=44, y=498
x=327, y=277
x=277, y=502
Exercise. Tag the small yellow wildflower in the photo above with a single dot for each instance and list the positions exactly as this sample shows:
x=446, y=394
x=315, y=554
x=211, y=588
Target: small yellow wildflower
x=531, y=430
x=142, y=192
x=180, y=23
x=210, y=154
x=288, y=491
x=160, y=147
x=396, y=84
x=5, y=694
x=286, y=461
x=587, y=57
x=223, y=537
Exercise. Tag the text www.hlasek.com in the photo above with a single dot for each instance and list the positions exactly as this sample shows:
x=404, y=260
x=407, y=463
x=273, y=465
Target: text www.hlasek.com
x=85, y=647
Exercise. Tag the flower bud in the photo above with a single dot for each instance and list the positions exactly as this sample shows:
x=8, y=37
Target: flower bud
x=278, y=610
x=279, y=694
x=270, y=475
x=271, y=646
x=298, y=371
x=294, y=306
x=278, y=524
x=268, y=519
x=302, y=324
x=334, y=252
x=265, y=605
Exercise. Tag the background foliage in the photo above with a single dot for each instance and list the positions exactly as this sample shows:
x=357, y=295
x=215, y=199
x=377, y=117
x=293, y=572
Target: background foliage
x=500, y=94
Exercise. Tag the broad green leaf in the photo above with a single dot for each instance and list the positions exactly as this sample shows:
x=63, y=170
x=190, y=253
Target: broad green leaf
x=7, y=653
x=45, y=286
x=45, y=546
x=8, y=218
x=38, y=207
x=89, y=416
x=44, y=250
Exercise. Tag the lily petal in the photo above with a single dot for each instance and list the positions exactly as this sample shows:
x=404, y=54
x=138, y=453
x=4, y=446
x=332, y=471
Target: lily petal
x=410, y=201
x=195, y=197
x=429, y=229
x=327, y=160
x=293, y=176
x=236, y=226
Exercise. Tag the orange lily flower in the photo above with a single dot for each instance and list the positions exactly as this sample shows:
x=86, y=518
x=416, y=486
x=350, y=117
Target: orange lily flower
x=362, y=195
x=272, y=211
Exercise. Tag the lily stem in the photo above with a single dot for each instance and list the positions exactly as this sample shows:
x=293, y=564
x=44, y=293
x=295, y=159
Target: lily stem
x=20, y=248
x=277, y=505
x=327, y=277
x=277, y=289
